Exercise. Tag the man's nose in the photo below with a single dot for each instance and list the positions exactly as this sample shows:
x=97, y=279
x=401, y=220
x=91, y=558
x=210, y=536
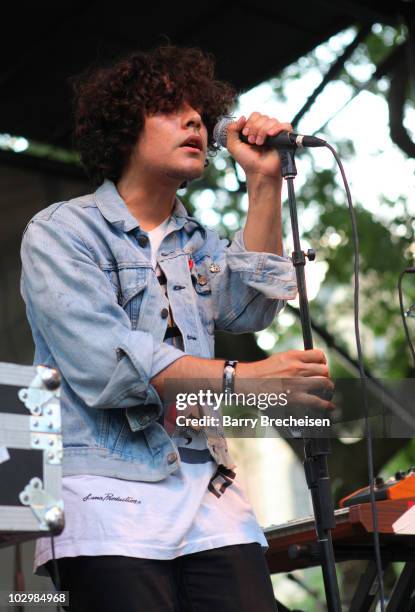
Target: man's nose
x=193, y=119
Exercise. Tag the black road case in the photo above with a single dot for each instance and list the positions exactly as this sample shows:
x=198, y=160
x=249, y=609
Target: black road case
x=30, y=453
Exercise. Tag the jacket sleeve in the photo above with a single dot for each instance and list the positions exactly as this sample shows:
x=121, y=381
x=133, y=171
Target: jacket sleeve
x=71, y=303
x=250, y=287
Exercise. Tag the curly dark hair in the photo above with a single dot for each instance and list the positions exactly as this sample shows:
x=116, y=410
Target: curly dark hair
x=111, y=102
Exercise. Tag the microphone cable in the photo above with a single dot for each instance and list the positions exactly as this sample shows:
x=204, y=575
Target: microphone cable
x=368, y=432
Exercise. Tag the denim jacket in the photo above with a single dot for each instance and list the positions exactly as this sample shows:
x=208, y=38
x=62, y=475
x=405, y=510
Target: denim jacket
x=97, y=314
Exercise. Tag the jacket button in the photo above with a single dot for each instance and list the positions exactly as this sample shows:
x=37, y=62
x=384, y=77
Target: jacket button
x=171, y=458
x=142, y=240
x=164, y=313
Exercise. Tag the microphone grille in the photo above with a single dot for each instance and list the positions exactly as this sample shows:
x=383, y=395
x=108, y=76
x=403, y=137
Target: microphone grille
x=220, y=131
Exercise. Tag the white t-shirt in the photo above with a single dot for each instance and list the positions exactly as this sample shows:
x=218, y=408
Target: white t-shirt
x=156, y=236
x=200, y=507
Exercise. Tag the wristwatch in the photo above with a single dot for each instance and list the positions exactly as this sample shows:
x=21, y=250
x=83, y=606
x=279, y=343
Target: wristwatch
x=229, y=376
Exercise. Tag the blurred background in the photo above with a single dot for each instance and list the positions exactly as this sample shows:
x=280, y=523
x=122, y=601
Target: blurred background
x=344, y=71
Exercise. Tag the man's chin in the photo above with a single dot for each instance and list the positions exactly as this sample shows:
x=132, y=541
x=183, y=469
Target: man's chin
x=182, y=175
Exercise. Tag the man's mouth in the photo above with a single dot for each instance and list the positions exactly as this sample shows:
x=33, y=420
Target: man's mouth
x=193, y=142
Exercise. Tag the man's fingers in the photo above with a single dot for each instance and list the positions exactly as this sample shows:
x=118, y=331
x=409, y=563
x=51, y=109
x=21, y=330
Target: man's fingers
x=271, y=127
x=315, y=384
x=308, y=386
x=252, y=127
x=258, y=127
x=250, y=122
x=313, y=369
x=316, y=403
x=234, y=128
x=312, y=356
x=279, y=127
x=310, y=401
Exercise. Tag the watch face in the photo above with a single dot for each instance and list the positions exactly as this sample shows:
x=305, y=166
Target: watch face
x=229, y=369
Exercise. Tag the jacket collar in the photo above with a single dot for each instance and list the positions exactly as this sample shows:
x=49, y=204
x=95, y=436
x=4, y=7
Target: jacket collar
x=115, y=211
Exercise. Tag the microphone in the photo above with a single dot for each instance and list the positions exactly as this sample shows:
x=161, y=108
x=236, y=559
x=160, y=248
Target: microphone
x=283, y=140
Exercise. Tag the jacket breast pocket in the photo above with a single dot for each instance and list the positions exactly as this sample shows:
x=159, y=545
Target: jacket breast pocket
x=129, y=284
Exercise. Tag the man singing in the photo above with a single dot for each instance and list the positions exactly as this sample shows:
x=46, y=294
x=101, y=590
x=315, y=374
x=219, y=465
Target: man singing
x=124, y=290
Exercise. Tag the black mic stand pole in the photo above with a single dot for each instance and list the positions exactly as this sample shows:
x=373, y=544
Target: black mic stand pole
x=315, y=449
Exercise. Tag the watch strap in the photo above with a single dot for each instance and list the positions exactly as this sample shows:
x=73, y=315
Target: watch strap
x=229, y=368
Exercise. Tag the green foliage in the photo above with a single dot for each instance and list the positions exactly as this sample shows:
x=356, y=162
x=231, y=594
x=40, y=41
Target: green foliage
x=386, y=247
x=403, y=458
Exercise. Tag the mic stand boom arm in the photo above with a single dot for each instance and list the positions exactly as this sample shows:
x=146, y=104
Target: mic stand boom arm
x=316, y=450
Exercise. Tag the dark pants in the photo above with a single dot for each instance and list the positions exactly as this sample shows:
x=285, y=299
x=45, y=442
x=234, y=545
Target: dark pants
x=227, y=579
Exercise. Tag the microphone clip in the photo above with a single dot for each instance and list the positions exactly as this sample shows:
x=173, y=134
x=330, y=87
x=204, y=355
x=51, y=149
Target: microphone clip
x=288, y=167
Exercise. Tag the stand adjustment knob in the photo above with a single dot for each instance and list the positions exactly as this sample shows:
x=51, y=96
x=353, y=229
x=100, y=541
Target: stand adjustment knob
x=379, y=482
x=311, y=255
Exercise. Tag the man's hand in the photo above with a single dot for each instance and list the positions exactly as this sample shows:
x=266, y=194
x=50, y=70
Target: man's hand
x=312, y=386
x=256, y=160
x=310, y=365
x=292, y=364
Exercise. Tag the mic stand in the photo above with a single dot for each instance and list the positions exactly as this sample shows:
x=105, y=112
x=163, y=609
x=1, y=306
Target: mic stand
x=316, y=450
